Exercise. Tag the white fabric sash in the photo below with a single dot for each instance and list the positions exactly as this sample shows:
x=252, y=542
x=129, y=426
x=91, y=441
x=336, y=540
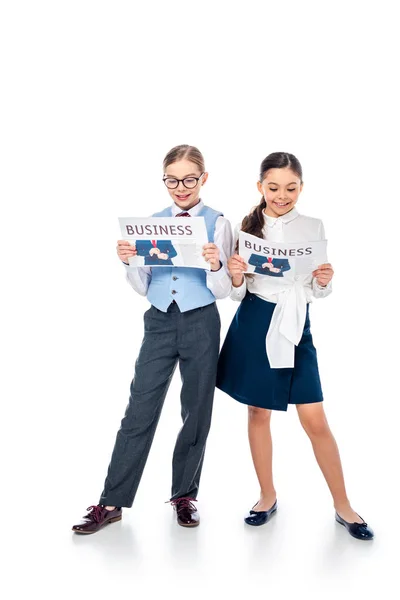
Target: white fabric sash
x=286, y=327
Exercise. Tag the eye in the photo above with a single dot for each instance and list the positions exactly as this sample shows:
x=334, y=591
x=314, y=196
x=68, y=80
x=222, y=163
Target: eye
x=273, y=189
x=190, y=180
x=293, y=190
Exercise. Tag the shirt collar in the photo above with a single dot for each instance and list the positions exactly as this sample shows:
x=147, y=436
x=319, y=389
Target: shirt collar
x=290, y=216
x=193, y=212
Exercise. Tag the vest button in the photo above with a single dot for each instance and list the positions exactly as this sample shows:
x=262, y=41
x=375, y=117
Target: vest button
x=174, y=292
x=174, y=278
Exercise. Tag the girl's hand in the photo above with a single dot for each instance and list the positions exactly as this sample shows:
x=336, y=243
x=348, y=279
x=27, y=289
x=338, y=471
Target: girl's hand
x=323, y=274
x=236, y=265
x=211, y=255
x=236, y=268
x=125, y=251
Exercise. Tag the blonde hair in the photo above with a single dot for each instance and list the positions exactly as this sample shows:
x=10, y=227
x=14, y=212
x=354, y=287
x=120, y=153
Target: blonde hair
x=184, y=151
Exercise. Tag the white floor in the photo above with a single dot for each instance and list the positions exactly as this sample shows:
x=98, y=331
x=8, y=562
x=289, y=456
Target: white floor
x=302, y=550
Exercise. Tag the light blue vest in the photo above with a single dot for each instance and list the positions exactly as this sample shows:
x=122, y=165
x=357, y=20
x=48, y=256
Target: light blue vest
x=186, y=285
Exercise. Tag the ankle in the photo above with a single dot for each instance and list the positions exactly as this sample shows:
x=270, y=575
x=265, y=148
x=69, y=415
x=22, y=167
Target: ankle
x=110, y=507
x=268, y=495
x=342, y=505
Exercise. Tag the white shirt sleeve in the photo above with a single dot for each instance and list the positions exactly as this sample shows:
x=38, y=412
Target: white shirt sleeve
x=139, y=278
x=320, y=291
x=219, y=282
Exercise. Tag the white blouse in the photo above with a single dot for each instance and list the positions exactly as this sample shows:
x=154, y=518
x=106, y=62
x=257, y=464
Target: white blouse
x=287, y=324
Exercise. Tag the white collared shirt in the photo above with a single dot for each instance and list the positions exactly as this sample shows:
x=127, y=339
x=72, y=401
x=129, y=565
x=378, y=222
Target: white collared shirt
x=287, y=323
x=218, y=282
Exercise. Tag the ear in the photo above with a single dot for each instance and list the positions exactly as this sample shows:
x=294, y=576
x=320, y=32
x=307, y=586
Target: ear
x=259, y=187
x=204, y=179
x=301, y=187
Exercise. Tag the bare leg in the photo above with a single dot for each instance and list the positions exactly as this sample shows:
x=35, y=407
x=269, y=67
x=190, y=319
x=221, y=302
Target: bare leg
x=313, y=420
x=261, y=451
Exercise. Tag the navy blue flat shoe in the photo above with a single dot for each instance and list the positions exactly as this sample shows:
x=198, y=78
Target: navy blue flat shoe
x=361, y=531
x=259, y=517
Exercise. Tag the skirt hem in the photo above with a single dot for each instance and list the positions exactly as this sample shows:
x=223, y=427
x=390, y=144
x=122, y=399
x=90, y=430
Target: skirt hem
x=244, y=400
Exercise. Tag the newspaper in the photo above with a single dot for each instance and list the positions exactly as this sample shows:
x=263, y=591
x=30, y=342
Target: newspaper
x=281, y=259
x=166, y=241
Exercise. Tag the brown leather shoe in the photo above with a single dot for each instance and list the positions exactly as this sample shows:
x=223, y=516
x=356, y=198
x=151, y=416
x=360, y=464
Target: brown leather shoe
x=186, y=512
x=97, y=517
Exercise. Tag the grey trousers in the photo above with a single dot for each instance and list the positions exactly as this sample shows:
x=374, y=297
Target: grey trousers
x=191, y=339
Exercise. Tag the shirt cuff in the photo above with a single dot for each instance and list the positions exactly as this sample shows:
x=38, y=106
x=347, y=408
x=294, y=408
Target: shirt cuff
x=322, y=287
x=128, y=267
x=237, y=293
x=216, y=275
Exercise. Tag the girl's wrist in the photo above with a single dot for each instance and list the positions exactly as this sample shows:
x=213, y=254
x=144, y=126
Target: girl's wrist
x=217, y=266
x=237, y=280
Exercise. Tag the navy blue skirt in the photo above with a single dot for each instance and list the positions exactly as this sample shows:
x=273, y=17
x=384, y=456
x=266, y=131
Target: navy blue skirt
x=244, y=371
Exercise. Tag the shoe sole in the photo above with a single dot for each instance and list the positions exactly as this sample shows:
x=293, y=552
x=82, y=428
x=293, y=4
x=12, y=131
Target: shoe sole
x=189, y=525
x=113, y=520
x=261, y=524
x=352, y=534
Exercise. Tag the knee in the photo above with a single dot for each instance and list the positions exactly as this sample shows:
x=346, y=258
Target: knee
x=137, y=414
x=259, y=415
x=315, y=427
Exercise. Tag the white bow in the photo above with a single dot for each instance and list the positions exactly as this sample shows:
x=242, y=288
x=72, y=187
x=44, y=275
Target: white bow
x=286, y=327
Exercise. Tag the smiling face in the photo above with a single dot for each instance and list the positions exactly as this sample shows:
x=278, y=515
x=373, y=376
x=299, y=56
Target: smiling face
x=281, y=189
x=185, y=198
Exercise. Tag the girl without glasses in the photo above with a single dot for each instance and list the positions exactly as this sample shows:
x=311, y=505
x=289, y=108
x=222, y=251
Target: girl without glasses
x=245, y=371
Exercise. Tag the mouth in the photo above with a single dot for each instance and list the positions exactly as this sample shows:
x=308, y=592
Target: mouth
x=281, y=204
x=182, y=197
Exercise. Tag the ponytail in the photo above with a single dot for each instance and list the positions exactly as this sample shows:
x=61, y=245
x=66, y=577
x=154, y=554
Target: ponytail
x=254, y=222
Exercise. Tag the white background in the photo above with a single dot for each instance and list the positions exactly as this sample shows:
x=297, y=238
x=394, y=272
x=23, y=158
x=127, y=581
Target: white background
x=94, y=94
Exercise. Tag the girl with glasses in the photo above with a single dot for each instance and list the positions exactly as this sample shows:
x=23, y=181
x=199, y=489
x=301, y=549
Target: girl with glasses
x=182, y=326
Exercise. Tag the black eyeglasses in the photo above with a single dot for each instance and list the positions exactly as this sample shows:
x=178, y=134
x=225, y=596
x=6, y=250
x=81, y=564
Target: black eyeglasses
x=189, y=182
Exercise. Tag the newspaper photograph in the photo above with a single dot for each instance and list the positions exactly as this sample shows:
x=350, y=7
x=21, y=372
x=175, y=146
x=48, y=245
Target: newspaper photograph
x=166, y=241
x=281, y=259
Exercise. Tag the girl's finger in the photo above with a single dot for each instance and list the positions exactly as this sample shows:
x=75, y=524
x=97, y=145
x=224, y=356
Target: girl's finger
x=323, y=271
x=235, y=262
